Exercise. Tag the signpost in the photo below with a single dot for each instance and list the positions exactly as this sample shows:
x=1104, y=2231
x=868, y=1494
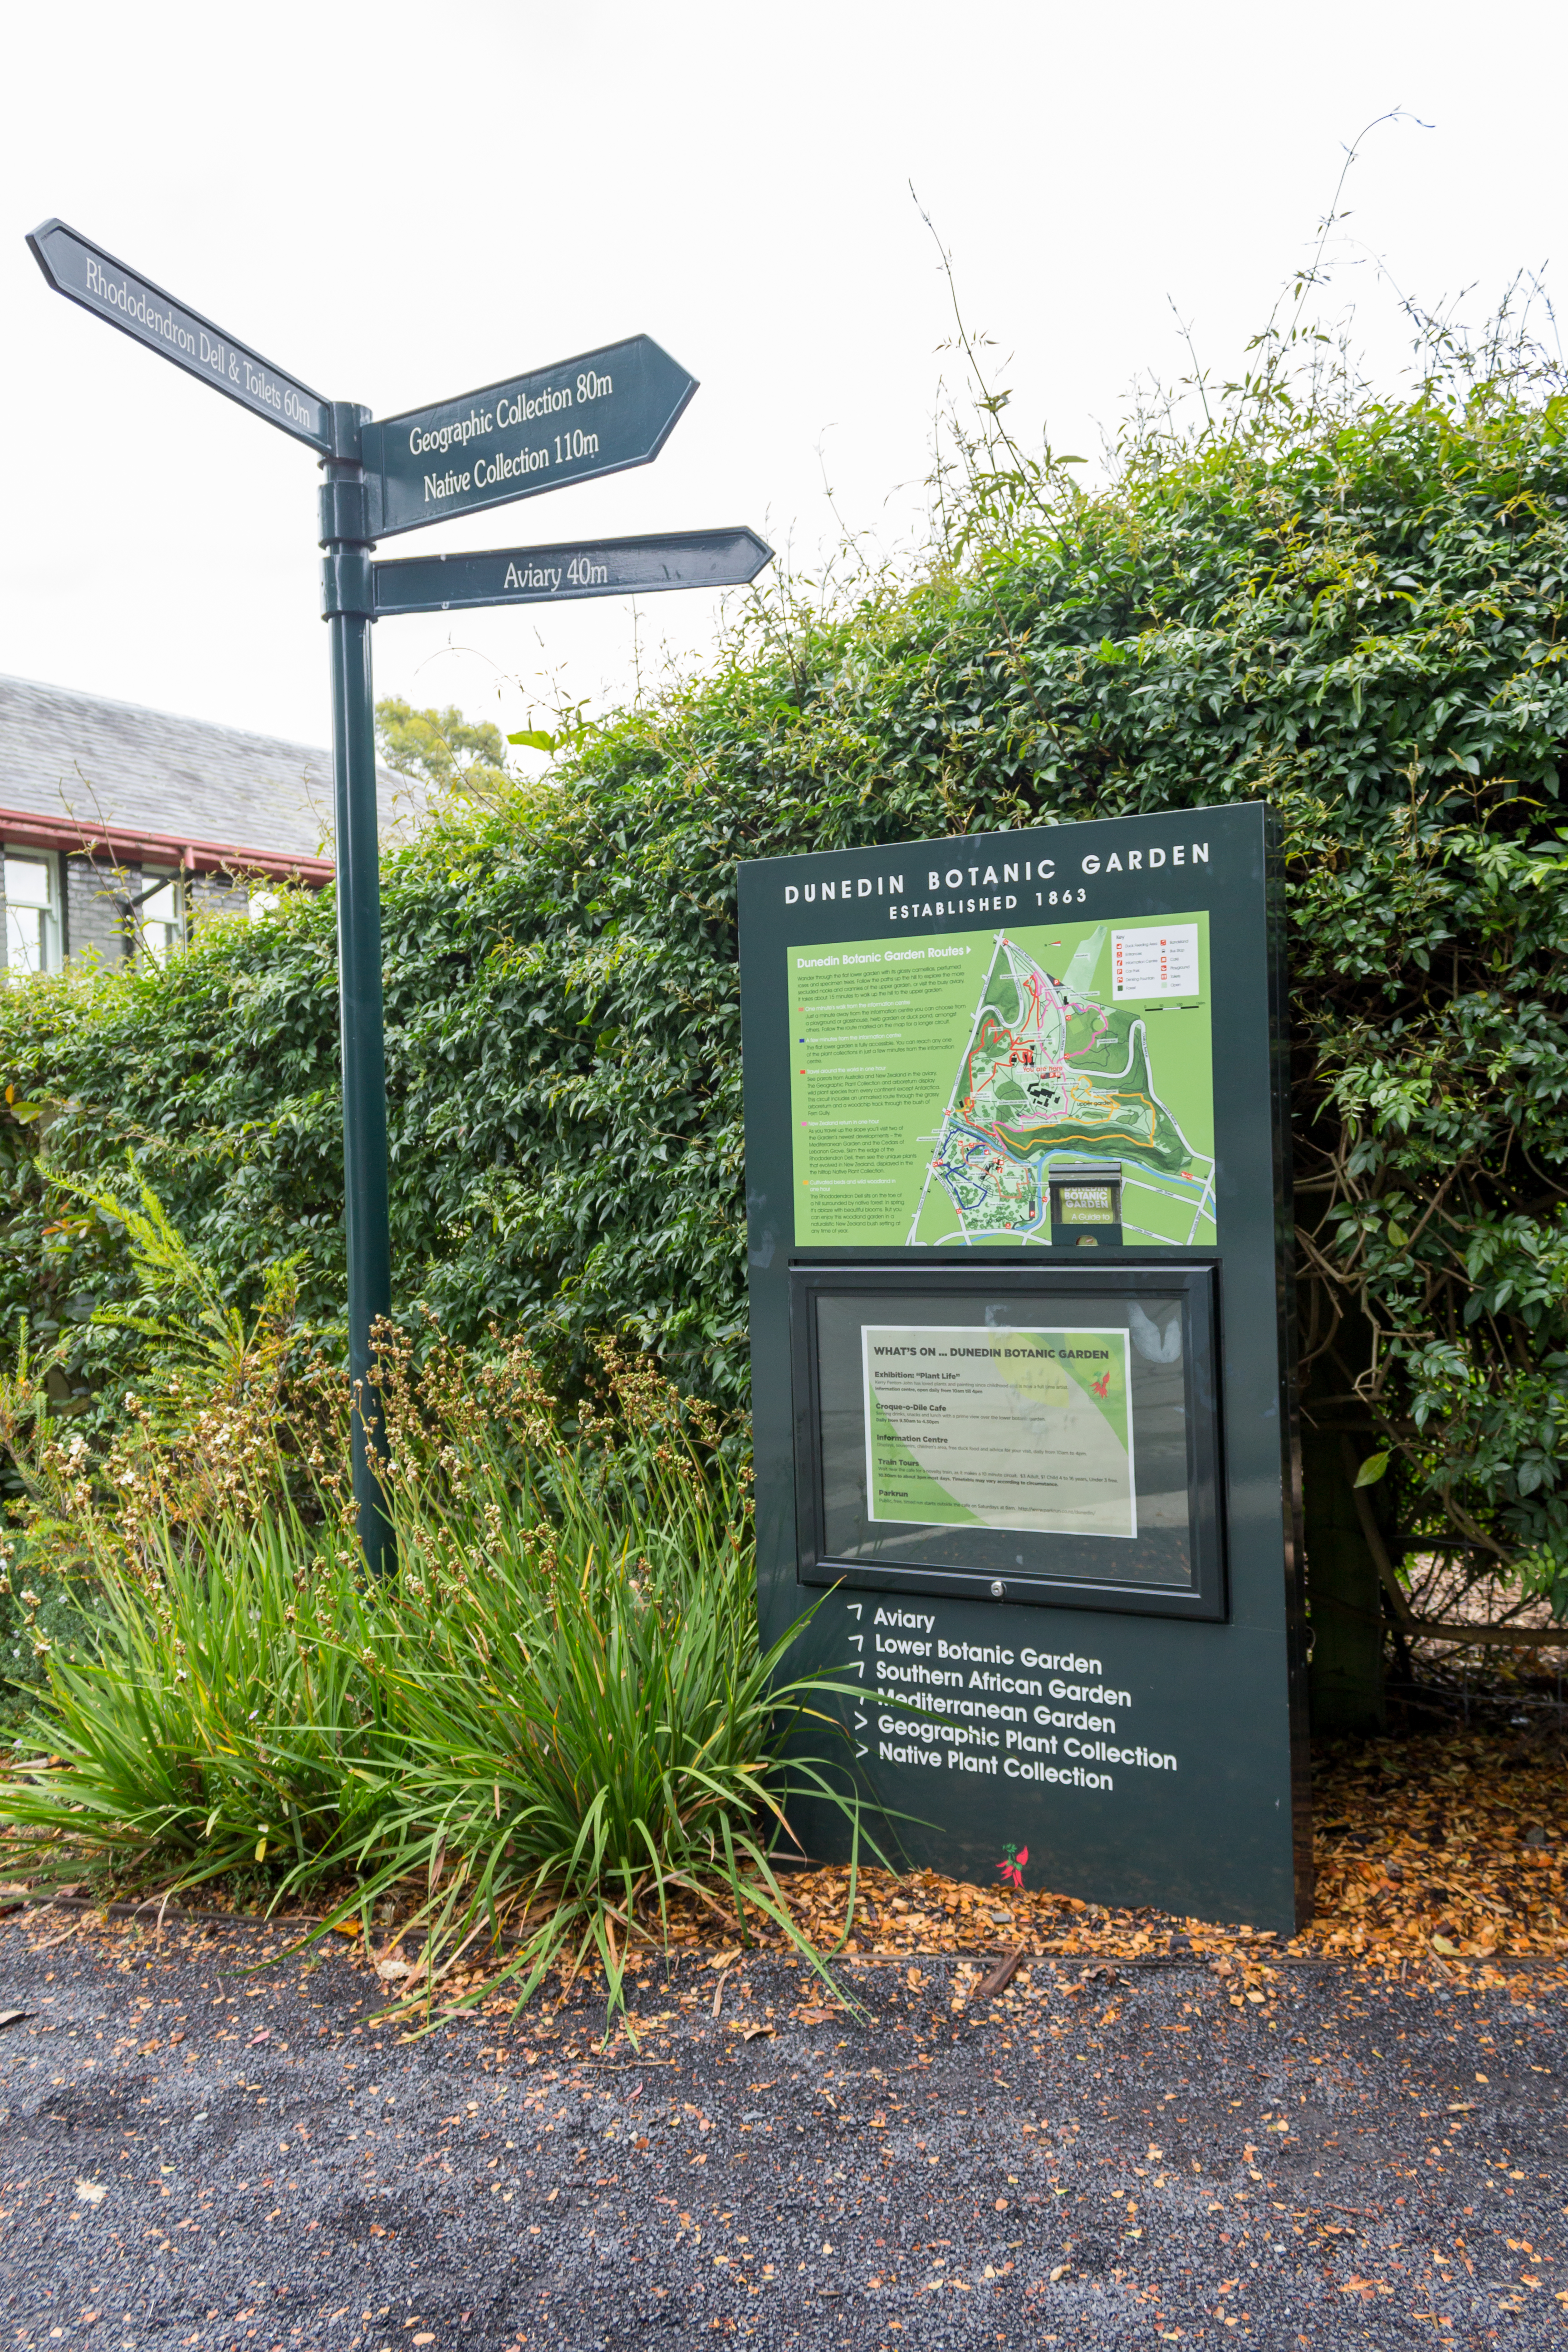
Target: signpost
x=598, y=414
x=572, y=568
x=1023, y=1379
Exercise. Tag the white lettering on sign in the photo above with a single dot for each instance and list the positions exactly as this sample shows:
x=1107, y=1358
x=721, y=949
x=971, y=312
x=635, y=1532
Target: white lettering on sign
x=531, y=576
x=521, y=408
x=488, y=471
x=462, y=430
x=231, y=367
x=132, y=303
x=258, y=383
x=1155, y=962
x=518, y=408
x=922, y=1726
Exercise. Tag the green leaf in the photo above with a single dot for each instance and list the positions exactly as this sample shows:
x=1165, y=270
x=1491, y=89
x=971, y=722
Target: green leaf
x=534, y=739
x=1372, y=1469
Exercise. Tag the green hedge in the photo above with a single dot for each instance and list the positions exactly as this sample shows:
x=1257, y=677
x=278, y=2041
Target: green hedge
x=1363, y=623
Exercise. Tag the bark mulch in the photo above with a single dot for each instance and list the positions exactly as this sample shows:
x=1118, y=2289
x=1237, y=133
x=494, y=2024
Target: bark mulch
x=1443, y=1854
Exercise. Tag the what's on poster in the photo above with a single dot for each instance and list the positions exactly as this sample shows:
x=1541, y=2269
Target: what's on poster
x=1022, y=1429
x=934, y=1085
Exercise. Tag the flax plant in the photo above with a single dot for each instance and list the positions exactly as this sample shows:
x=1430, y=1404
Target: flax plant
x=550, y=1726
x=587, y=1727
x=210, y=1726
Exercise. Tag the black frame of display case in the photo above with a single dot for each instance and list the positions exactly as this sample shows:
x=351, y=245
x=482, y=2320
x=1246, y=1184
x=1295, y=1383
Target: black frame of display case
x=993, y=1577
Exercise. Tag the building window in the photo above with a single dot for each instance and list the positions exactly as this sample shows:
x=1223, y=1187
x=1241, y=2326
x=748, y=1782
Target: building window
x=160, y=917
x=32, y=911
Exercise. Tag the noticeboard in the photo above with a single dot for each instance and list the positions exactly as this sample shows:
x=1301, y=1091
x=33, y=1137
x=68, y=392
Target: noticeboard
x=1016, y=1170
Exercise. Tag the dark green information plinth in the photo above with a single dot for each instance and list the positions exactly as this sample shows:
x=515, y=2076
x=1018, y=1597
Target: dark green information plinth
x=1017, y=1168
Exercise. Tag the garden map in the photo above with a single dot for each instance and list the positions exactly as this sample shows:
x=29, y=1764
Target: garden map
x=934, y=1085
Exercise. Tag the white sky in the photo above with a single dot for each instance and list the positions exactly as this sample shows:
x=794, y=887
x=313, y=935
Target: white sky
x=400, y=203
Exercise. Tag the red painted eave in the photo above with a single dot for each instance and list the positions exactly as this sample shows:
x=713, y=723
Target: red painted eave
x=123, y=846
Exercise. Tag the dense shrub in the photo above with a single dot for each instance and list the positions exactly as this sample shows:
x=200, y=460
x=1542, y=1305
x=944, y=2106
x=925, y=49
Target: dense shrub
x=1358, y=614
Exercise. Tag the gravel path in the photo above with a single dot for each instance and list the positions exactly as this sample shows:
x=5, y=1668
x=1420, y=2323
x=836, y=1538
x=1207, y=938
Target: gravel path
x=197, y=2156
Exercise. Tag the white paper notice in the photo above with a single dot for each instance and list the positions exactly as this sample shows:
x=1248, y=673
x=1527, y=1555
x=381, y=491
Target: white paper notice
x=1155, y=962
x=1020, y=1429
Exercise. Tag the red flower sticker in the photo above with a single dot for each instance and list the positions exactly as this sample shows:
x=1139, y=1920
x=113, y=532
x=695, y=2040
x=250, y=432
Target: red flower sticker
x=1011, y=1869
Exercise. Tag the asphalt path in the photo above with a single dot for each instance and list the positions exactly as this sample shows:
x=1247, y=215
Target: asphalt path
x=203, y=2153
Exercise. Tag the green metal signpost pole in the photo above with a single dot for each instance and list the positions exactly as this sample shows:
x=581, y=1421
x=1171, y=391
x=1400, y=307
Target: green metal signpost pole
x=506, y=441
x=347, y=606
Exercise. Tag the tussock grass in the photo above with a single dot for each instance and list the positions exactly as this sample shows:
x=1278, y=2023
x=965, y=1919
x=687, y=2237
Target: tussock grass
x=211, y=1718
x=552, y=1720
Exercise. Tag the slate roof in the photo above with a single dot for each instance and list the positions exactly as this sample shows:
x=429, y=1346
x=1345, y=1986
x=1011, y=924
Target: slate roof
x=68, y=754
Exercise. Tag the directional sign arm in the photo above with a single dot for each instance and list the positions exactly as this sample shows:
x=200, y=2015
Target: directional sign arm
x=574, y=568
x=593, y=414
x=84, y=273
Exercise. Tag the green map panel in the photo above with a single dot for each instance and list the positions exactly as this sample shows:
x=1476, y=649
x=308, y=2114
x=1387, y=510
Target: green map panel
x=934, y=1085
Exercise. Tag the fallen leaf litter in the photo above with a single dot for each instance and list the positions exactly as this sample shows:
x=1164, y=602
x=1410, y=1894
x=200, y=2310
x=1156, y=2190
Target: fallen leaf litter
x=1443, y=1853
x=1439, y=1851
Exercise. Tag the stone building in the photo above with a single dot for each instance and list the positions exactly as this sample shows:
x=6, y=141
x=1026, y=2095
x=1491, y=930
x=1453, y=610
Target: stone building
x=123, y=827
